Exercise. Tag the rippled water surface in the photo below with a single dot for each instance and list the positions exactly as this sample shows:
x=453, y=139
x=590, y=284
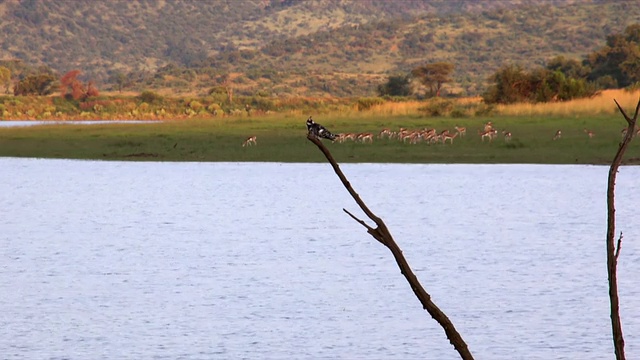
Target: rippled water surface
x=135, y=260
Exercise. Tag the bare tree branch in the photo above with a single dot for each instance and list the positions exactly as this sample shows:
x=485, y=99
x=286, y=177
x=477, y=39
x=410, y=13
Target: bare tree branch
x=619, y=246
x=612, y=252
x=369, y=228
x=382, y=234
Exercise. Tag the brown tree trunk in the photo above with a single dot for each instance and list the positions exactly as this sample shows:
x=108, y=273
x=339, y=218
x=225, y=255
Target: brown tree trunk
x=382, y=234
x=613, y=251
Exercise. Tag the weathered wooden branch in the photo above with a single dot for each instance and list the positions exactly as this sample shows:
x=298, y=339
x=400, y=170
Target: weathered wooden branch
x=618, y=246
x=382, y=234
x=613, y=251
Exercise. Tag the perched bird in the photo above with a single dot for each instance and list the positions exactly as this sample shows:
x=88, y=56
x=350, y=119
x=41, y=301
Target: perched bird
x=319, y=130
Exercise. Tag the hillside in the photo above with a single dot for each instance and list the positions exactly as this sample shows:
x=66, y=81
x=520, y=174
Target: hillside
x=316, y=48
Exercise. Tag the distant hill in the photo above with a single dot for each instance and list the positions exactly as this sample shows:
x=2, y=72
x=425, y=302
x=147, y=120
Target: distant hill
x=303, y=47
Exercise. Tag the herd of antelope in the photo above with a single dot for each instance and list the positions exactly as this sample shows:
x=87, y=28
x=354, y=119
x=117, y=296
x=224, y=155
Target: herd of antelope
x=432, y=136
x=427, y=135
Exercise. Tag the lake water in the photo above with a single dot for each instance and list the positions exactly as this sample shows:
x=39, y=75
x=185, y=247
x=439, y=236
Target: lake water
x=144, y=260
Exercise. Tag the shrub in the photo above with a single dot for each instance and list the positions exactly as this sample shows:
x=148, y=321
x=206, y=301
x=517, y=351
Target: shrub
x=368, y=103
x=65, y=106
x=195, y=105
x=484, y=110
x=263, y=104
x=213, y=108
x=42, y=84
x=458, y=112
x=150, y=97
x=633, y=87
x=437, y=107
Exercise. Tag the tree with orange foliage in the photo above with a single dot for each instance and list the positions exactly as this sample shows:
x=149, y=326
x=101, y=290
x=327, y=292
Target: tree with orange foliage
x=70, y=86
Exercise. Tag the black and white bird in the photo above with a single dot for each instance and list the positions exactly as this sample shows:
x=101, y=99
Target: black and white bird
x=319, y=130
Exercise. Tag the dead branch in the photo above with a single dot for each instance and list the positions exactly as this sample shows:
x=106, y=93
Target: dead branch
x=382, y=234
x=612, y=251
x=618, y=246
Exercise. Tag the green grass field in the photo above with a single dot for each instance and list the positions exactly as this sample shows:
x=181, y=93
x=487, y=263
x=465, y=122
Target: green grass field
x=283, y=139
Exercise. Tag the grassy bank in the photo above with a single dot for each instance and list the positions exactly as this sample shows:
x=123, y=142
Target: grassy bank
x=283, y=139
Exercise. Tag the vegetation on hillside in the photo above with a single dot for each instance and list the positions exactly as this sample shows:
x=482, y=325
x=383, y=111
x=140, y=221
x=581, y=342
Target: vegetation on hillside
x=561, y=80
x=291, y=48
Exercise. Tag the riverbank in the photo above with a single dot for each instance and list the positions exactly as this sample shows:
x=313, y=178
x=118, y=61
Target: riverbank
x=282, y=138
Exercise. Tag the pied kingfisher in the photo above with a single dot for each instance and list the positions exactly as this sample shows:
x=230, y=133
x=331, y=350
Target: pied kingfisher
x=319, y=130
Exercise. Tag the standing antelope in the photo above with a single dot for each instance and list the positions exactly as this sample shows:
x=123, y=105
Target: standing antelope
x=461, y=130
x=449, y=137
x=364, y=137
x=507, y=135
x=490, y=134
x=251, y=140
x=590, y=133
x=558, y=135
x=346, y=136
x=385, y=132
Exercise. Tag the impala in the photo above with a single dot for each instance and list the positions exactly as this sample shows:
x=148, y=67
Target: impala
x=461, y=130
x=251, y=140
x=416, y=137
x=385, y=132
x=590, y=133
x=449, y=137
x=507, y=135
x=364, y=137
x=489, y=134
x=409, y=136
x=428, y=133
x=346, y=136
x=402, y=133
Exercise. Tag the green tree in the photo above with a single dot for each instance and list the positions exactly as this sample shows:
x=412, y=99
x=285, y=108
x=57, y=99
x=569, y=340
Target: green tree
x=42, y=84
x=5, y=78
x=150, y=97
x=397, y=85
x=120, y=80
x=619, y=58
x=510, y=85
x=434, y=75
x=569, y=67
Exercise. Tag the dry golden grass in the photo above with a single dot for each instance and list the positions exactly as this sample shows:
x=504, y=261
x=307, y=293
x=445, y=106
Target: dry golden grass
x=601, y=104
x=396, y=108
